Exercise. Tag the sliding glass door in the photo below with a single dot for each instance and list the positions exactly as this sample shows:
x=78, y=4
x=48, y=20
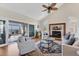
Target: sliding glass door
x=2, y=32
x=31, y=30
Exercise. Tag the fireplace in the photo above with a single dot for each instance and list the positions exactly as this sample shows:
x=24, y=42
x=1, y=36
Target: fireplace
x=56, y=34
x=57, y=30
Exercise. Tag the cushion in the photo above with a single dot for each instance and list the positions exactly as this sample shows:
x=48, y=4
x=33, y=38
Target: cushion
x=67, y=36
x=71, y=40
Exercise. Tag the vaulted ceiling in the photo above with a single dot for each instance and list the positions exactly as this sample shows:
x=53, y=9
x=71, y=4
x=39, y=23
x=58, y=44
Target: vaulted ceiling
x=32, y=10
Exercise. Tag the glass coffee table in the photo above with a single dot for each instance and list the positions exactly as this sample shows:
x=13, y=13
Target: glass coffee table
x=45, y=45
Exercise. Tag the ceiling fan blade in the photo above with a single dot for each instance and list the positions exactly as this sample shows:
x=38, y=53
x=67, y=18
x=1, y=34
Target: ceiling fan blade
x=53, y=4
x=44, y=6
x=54, y=8
x=44, y=10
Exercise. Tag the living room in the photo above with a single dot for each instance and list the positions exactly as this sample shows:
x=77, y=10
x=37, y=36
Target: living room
x=54, y=27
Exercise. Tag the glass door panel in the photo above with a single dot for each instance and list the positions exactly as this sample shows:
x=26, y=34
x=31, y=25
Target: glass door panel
x=2, y=32
x=31, y=30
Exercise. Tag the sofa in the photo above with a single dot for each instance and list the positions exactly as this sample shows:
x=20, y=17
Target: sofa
x=25, y=45
x=70, y=45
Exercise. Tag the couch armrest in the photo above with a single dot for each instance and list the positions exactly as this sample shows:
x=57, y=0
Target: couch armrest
x=69, y=50
x=71, y=46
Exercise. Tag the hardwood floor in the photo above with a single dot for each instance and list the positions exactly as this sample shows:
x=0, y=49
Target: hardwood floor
x=10, y=50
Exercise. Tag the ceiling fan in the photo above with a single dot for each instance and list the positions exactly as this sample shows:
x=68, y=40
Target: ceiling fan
x=50, y=8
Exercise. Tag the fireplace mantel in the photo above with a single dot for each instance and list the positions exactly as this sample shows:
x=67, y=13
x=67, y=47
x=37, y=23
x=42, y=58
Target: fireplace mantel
x=57, y=27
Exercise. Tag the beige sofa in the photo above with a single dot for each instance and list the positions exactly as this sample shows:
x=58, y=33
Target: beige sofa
x=71, y=50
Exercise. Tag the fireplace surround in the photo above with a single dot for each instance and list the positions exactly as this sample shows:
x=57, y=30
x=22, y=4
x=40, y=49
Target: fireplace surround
x=56, y=30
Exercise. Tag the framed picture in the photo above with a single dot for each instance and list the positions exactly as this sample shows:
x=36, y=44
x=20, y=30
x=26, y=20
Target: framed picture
x=56, y=27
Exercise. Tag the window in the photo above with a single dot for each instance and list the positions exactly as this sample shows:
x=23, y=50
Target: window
x=18, y=28
x=2, y=32
x=15, y=28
